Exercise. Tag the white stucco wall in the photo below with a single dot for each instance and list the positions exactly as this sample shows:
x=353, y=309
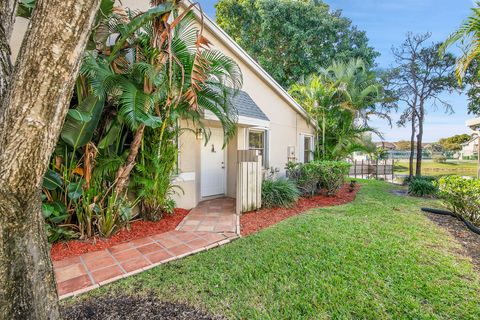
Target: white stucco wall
x=286, y=124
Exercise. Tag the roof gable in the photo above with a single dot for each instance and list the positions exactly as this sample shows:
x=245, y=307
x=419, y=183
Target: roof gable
x=240, y=53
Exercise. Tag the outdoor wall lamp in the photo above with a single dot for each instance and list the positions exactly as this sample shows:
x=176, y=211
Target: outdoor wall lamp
x=198, y=134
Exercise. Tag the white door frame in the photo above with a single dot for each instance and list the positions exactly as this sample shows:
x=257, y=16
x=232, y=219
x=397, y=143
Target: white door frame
x=202, y=164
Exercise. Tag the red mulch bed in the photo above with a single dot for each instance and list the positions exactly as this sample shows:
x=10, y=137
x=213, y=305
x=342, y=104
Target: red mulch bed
x=254, y=221
x=137, y=230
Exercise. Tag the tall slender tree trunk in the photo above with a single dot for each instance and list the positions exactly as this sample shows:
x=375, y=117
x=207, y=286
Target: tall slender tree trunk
x=32, y=114
x=412, y=144
x=421, y=118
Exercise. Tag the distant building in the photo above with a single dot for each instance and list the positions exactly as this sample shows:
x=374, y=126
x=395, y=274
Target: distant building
x=469, y=149
x=386, y=145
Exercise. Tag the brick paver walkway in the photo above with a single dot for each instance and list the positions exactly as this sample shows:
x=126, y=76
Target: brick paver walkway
x=216, y=215
x=216, y=218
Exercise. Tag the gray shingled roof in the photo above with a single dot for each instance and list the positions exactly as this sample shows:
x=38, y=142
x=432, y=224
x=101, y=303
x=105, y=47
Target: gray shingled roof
x=246, y=107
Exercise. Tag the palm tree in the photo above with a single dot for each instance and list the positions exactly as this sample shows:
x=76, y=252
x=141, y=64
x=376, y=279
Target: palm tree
x=341, y=98
x=317, y=94
x=155, y=83
x=468, y=34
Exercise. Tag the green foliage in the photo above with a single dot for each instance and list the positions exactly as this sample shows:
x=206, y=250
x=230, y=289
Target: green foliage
x=25, y=8
x=471, y=82
x=154, y=175
x=292, y=39
x=422, y=187
x=439, y=158
x=135, y=83
x=462, y=196
x=116, y=213
x=467, y=36
x=340, y=100
x=312, y=177
x=454, y=143
x=332, y=175
x=380, y=154
x=279, y=193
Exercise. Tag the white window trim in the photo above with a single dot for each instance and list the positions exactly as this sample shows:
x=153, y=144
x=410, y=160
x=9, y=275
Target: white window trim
x=266, y=153
x=301, y=147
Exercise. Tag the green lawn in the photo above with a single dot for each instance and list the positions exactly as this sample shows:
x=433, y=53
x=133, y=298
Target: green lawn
x=375, y=258
x=430, y=168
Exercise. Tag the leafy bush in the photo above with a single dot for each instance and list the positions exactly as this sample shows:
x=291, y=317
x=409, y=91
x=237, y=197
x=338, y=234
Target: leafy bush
x=314, y=176
x=153, y=177
x=422, y=188
x=439, y=158
x=407, y=180
x=279, y=193
x=462, y=196
x=332, y=175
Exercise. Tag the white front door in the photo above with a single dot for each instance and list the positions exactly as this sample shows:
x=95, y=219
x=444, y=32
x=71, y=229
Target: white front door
x=213, y=165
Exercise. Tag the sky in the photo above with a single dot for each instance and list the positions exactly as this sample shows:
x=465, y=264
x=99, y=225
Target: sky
x=387, y=22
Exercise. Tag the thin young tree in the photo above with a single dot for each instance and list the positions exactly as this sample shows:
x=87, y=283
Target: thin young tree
x=34, y=95
x=419, y=79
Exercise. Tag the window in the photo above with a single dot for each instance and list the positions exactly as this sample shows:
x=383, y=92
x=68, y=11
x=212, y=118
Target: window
x=307, y=149
x=305, y=146
x=257, y=140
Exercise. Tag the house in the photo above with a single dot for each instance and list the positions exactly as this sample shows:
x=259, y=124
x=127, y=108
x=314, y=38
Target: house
x=389, y=146
x=469, y=149
x=269, y=121
x=474, y=124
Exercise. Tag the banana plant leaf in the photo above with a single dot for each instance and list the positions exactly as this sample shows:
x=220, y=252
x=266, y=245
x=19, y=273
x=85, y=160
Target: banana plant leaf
x=79, y=115
x=74, y=190
x=112, y=136
x=52, y=180
x=77, y=132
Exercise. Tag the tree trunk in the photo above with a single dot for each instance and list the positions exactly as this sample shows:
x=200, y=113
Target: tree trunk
x=123, y=173
x=8, y=10
x=421, y=114
x=412, y=145
x=31, y=118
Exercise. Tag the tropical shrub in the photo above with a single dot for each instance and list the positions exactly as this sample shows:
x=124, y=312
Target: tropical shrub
x=125, y=109
x=439, y=158
x=422, y=187
x=314, y=176
x=332, y=175
x=306, y=176
x=462, y=196
x=279, y=193
x=154, y=174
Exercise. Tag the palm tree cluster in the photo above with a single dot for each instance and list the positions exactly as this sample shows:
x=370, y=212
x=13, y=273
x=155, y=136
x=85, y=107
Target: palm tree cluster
x=340, y=100
x=468, y=35
x=143, y=74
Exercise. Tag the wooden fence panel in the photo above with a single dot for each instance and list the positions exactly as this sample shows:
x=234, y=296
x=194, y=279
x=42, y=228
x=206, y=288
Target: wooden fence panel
x=249, y=181
x=382, y=169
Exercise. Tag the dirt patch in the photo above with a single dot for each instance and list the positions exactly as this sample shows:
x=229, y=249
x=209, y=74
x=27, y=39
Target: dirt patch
x=137, y=230
x=469, y=240
x=254, y=221
x=132, y=308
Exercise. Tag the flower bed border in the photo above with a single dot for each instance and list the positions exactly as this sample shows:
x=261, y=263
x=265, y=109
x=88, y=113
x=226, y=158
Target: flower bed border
x=254, y=221
x=138, y=229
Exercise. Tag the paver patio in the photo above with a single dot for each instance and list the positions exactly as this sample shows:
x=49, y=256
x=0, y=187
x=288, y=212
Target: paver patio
x=212, y=223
